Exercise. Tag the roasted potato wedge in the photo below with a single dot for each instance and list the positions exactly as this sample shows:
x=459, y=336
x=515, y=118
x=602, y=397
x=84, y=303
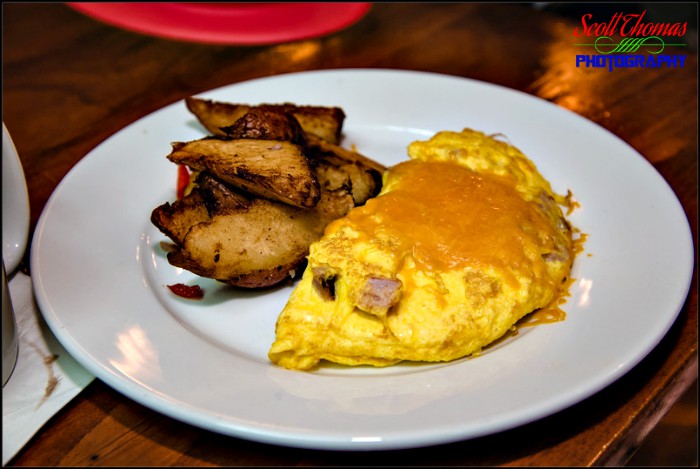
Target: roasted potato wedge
x=246, y=242
x=267, y=124
x=319, y=148
x=272, y=169
x=265, y=154
x=324, y=122
x=210, y=197
x=357, y=180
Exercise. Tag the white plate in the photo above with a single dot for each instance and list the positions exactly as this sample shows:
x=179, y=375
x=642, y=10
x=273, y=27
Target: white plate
x=100, y=277
x=15, y=205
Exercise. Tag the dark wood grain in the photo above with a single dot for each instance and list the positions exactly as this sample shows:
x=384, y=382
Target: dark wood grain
x=70, y=82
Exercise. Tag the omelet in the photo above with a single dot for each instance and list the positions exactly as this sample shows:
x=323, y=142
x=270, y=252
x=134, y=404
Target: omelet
x=465, y=238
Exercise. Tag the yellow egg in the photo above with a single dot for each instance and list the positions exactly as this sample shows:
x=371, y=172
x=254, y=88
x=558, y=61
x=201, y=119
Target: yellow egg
x=465, y=238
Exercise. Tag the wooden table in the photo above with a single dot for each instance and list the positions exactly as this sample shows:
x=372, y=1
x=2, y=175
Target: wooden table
x=69, y=82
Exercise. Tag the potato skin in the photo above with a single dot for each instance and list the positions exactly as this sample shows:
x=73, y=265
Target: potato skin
x=267, y=124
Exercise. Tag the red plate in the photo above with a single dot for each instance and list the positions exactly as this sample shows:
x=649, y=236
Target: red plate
x=228, y=23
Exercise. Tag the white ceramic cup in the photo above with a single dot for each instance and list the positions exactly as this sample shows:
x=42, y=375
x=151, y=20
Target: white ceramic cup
x=10, y=340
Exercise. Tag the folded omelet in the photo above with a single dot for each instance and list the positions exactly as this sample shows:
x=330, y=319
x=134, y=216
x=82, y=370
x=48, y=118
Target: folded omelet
x=465, y=238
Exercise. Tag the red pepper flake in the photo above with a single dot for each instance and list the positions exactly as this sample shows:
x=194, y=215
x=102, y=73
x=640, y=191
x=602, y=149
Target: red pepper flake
x=193, y=292
x=183, y=180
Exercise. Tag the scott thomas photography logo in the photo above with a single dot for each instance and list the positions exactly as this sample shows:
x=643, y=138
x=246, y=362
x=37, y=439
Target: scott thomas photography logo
x=627, y=40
